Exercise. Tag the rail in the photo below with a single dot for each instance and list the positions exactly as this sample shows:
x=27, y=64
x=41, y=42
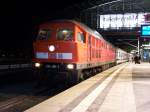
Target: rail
x=9, y=68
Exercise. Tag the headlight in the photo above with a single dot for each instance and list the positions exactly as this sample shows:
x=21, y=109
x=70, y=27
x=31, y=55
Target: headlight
x=51, y=48
x=70, y=66
x=37, y=65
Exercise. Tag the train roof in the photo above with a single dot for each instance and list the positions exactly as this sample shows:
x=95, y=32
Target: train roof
x=88, y=29
x=121, y=49
x=93, y=32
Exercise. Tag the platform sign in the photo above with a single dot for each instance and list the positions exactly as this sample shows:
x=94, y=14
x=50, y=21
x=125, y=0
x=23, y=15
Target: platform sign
x=118, y=21
x=145, y=31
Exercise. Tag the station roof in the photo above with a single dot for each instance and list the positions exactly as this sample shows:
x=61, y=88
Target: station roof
x=125, y=39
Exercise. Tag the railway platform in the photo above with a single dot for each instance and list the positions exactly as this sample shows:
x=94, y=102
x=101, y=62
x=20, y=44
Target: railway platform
x=123, y=88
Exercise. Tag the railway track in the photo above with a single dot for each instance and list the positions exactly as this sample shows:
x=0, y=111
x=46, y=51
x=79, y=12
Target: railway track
x=22, y=102
x=11, y=102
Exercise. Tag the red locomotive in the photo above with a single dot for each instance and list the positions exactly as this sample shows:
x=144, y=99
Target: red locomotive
x=70, y=49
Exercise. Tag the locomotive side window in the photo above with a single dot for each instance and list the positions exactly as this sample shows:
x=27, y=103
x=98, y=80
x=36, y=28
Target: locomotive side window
x=81, y=37
x=44, y=34
x=65, y=34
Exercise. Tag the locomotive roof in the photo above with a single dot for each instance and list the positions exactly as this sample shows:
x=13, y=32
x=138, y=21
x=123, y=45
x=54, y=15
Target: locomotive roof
x=93, y=32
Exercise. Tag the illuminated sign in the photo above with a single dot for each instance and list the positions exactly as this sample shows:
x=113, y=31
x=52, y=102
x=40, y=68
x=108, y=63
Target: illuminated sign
x=145, y=30
x=117, y=21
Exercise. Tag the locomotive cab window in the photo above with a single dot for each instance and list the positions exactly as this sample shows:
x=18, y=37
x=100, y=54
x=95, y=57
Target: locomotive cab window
x=44, y=34
x=81, y=37
x=65, y=34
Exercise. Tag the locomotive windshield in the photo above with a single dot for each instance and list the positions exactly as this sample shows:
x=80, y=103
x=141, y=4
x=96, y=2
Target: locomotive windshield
x=43, y=34
x=64, y=34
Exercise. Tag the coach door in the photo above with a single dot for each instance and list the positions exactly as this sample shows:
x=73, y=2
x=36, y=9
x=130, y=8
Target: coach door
x=89, y=48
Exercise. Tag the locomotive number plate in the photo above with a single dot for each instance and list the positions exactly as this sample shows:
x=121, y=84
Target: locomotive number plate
x=52, y=55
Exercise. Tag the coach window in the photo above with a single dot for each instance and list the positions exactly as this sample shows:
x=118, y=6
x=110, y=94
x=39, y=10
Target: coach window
x=65, y=34
x=44, y=34
x=81, y=37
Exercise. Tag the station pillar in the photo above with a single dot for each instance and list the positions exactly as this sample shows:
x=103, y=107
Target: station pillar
x=138, y=45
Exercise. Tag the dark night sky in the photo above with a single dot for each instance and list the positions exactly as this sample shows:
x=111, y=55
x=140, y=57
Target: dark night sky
x=19, y=20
